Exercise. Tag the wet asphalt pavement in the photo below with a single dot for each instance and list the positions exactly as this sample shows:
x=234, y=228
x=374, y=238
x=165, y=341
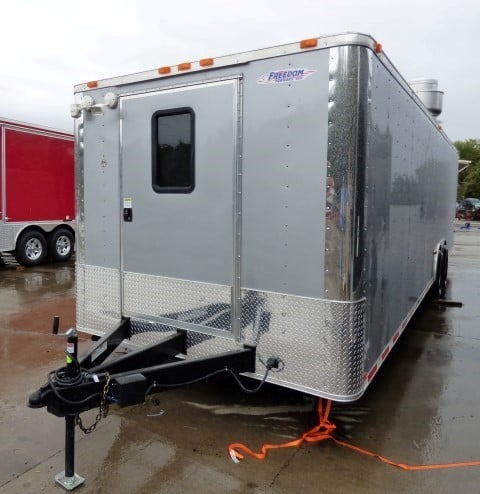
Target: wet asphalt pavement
x=423, y=407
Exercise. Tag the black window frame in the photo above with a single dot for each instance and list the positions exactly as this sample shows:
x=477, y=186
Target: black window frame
x=166, y=189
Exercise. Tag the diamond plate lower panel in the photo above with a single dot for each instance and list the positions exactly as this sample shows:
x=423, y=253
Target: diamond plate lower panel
x=202, y=304
x=7, y=236
x=321, y=342
x=98, y=298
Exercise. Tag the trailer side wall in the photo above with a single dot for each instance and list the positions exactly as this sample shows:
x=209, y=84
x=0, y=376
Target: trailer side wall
x=39, y=177
x=411, y=181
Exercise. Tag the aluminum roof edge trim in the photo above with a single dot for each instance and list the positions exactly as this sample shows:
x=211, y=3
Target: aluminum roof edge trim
x=237, y=59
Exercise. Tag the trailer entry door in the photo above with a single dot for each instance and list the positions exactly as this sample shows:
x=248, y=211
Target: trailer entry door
x=180, y=215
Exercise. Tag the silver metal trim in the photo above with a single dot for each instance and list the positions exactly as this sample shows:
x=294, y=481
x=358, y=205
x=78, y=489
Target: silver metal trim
x=120, y=201
x=313, y=391
x=357, y=237
x=342, y=171
x=237, y=214
x=179, y=86
x=303, y=297
x=236, y=59
x=48, y=223
x=80, y=189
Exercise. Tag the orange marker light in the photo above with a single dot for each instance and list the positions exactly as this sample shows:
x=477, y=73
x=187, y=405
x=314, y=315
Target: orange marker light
x=92, y=84
x=164, y=70
x=378, y=48
x=205, y=62
x=184, y=66
x=309, y=43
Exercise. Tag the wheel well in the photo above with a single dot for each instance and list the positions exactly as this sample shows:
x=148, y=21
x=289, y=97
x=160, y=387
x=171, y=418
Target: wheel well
x=29, y=228
x=62, y=227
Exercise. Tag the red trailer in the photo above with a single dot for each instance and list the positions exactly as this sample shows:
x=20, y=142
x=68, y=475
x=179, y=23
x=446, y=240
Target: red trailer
x=37, y=192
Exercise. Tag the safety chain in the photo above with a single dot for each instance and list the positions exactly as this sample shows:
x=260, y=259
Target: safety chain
x=102, y=410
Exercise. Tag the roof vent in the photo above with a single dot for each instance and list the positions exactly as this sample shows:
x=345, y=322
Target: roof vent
x=427, y=92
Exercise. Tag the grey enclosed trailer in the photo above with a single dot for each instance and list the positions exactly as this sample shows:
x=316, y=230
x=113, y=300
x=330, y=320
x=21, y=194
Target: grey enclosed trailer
x=297, y=199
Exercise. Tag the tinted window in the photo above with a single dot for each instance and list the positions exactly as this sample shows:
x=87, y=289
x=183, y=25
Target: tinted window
x=173, y=150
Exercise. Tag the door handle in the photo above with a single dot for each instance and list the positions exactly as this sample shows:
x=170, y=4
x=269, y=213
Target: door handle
x=127, y=214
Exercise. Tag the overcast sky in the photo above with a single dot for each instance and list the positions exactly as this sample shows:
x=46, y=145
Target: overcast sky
x=50, y=45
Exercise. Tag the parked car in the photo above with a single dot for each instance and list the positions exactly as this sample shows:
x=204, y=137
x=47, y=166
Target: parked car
x=468, y=209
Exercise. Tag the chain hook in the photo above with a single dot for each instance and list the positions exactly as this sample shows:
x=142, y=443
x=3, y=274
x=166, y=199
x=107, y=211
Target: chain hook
x=102, y=409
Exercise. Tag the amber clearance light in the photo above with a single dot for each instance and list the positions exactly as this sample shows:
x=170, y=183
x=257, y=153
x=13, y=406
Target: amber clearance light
x=206, y=62
x=309, y=43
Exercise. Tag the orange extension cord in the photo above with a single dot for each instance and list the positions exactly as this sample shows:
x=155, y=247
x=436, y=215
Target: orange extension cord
x=322, y=432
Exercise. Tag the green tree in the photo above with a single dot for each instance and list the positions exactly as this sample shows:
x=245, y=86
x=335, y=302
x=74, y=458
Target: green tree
x=469, y=180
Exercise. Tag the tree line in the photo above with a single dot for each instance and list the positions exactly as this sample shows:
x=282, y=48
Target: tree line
x=469, y=179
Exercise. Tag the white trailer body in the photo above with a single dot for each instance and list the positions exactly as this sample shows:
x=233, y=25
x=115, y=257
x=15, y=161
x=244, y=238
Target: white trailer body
x=310, y=198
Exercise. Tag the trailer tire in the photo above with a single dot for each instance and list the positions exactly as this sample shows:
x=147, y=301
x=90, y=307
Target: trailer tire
x=60, y=245
x=444, y=280
x=440, y=285
x=31, y=248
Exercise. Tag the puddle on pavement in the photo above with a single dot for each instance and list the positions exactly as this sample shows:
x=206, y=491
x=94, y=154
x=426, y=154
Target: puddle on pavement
x=22, y=286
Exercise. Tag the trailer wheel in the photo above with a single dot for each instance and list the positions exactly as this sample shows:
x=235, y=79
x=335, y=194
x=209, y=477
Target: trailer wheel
x=440, y=285
x=443, y=286
x=60, y=245
x=31, y=248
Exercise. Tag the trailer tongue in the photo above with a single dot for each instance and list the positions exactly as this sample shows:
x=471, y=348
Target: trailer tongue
x=94, y=380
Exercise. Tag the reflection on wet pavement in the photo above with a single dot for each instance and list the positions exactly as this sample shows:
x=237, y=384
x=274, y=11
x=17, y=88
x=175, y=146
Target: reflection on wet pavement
x=20, y=286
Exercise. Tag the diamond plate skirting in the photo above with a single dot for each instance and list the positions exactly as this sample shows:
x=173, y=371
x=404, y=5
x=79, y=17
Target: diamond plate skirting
x=7, y=236
x=191, y=302
x=98, y=299
x=321, y=343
